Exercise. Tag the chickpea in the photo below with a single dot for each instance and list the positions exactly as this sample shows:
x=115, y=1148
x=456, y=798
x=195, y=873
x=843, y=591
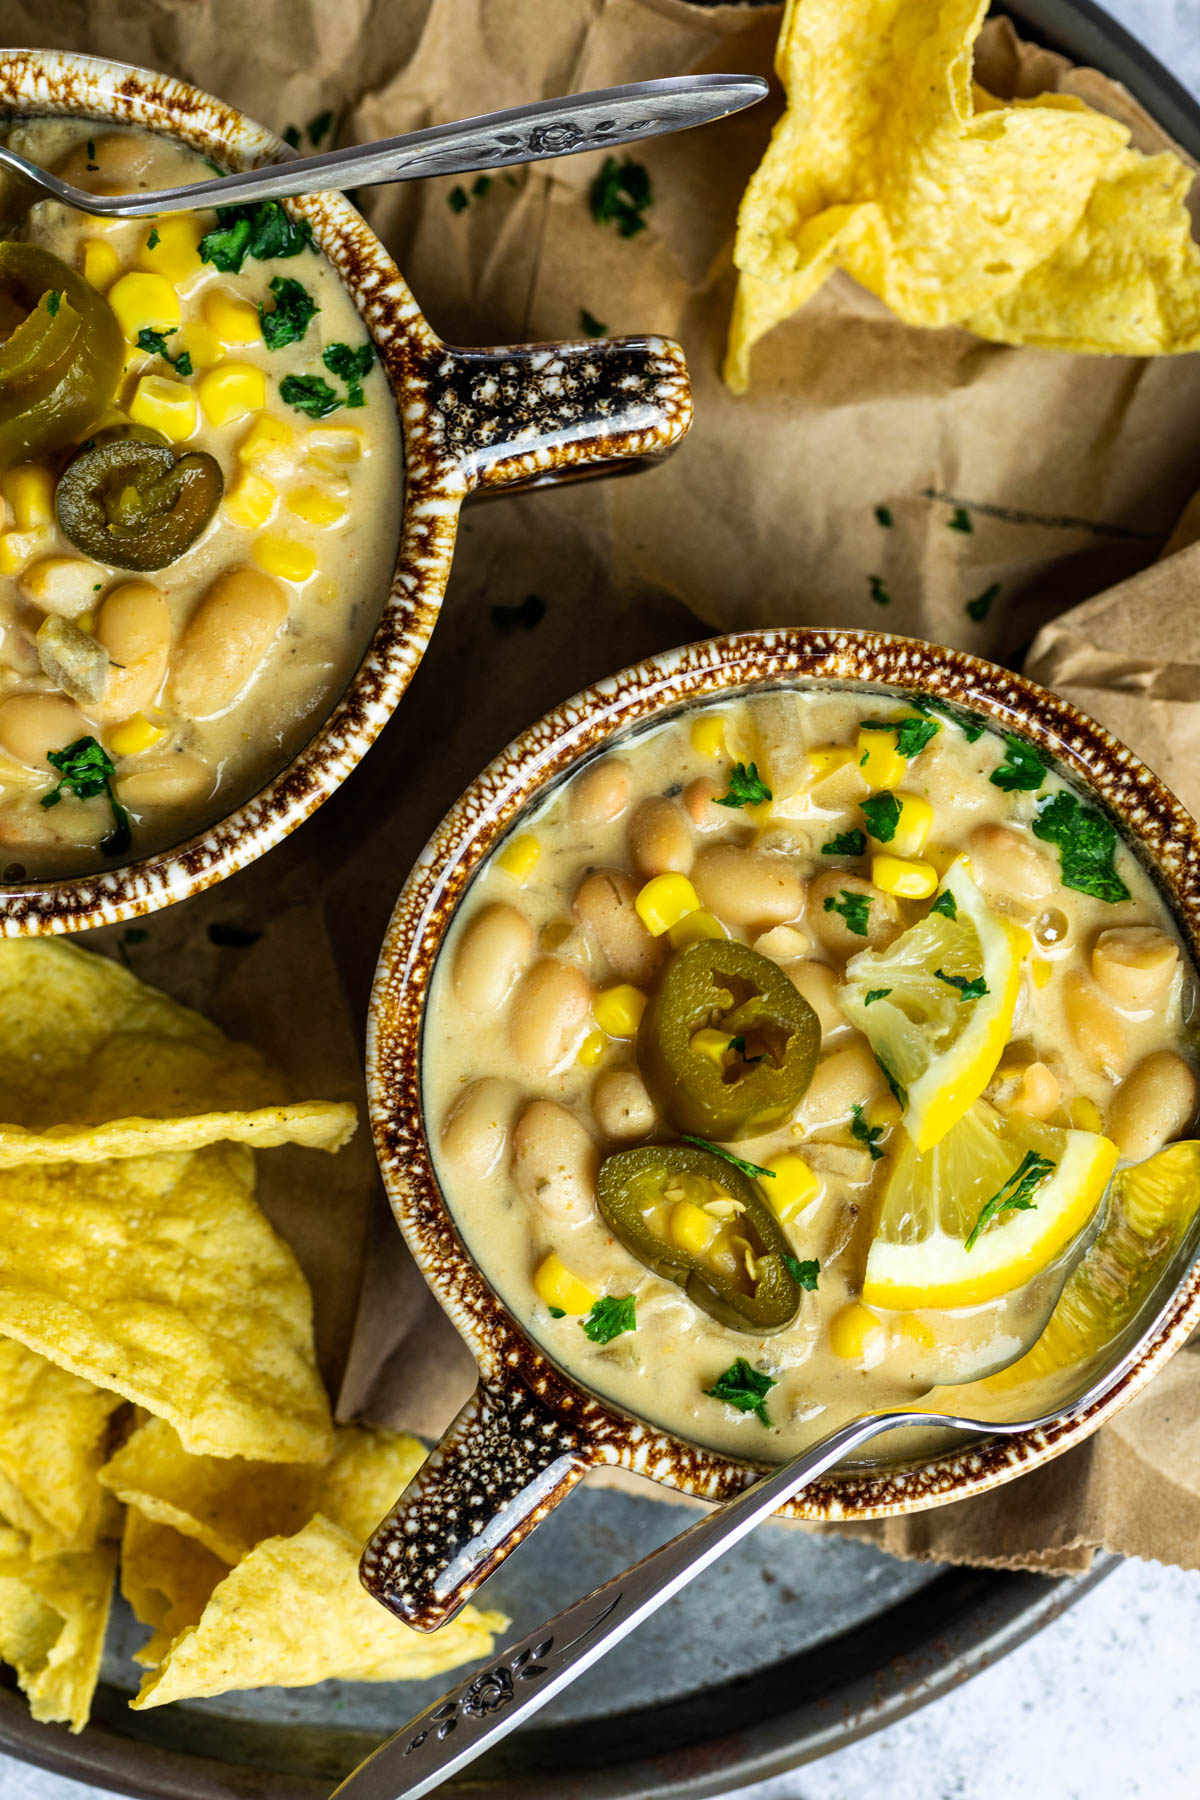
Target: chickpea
x=604, y=906
x=491, y=953
x=819, y=985
x=829, y=927
x=135, y=628
x=1098, y=1034
x=747, y=888
x=475, y=1132
x=1154, y=1104
x=1135, y=965
x=783, y=943
x=700, y=803
x=845, y=1079
x=177, y=781
x=31, y=725
x=226, y=641
x=1007, y=865
x=660, y=838
x=554, y=1162
x=621, y=1106
x=547, y=1013
x=114, y=162
x=65, y=585
x=600, y=793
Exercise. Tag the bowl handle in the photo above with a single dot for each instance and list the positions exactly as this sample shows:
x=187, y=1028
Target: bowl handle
x=500, y=1468
x=533, y=415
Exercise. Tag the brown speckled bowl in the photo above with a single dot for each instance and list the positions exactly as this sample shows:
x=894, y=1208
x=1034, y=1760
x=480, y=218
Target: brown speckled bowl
x=532, y=1431
x=513, y=417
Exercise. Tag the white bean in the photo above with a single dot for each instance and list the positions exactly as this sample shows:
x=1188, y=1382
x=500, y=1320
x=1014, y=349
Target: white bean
x=226, y=640
x=1008, y=865
x=830, y=927
x=844, y=1079
x=700, y=803
x=135, y=628
x=747, y=888
x=554, y=1162
x=31, y=725
x=493, y=949
x=475, y=1132
x=819, y=985
x=600, y=793
x=547, y=1014
x=1098, y=1033
x=1154, y=1104
x=660, y=838
x=178, y=781
x=1135, y=965
x=604, y=906
x=621, y=1106
x=59, y=584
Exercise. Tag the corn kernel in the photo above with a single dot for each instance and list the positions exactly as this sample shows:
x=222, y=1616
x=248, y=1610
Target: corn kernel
x=907, y=880
x=201, y=344
x=793, y=1187
x=144, y=301
x=1041, y=971
x=283, y=557
x=519, y=856
x=100, y=264
x=665, y=900
x=86, y=620
x=825, y=759
x=693, y=927
x=708, y=734
x=333, y=444
x=132, y=736
x=940, y=857
x=713, y=1044
x=29, y=490
x=879, y=761
x=234, y=320
x=912, y=827
x=857, y=1334
x=231, y=391
x=554, y=1283
x=691, y=1228
x=883, y=1110
x=165, y=405
x=1085, y=1115
x=20, y=547
x=917, y=1331
x=250, y=502
x=268, y=440
x=1022, y=941
x=618, y=1010
x=591, y=1049
x=316, y=507
x=172, y=247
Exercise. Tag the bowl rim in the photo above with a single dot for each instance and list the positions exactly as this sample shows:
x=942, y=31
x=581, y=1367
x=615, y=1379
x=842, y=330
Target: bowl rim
x=1153, y=824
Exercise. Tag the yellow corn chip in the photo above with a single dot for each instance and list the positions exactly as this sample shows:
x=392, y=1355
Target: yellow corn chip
x=167, y=1580
x=158, y=1277
x=53, y=1431
x=313, y=1124
x=53, y=1616
x=294, y=1612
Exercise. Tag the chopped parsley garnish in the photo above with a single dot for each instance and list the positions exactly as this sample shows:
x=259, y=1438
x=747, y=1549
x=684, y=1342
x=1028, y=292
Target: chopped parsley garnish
x=152, y=240
x=531, y=612
x=873, y=994
x=317, y=128
x=746, y=787
x=971, y=728
x=290, y=317
x=458, y=199
x=261, y=230
x=879, y=593
x=854, y=908
x=974, y=989
x=609, y=1317
x=309, y=394
x=961, y=521
x=232, y=937
x=1016, y=1195
x=745, y=1388
x=154, y=343
x=899, y=1091
x=91, y=150
x=556, y=1312
x=53, y=302
x=979, y=608
x=738, y=1046
x=351, y=366
x=590, y=324
x=867, y=1135
x=883, y=516
x=1023, y=768
x=804, y=1274
x=847, y=843
x=481, y=185
x=747, y=1168
x=86, y=770
x=1087, y=846
x=621, y=193
x=912, y=735
x=945, y=904
x=882, y=813
x=291, y=135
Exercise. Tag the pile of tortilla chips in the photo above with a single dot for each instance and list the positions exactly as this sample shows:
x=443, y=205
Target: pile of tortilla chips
x=1027, y=222
x=159, y=1392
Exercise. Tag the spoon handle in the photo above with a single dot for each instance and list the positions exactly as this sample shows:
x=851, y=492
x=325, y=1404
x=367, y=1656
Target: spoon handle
x=493, y=1700
x=603, y=120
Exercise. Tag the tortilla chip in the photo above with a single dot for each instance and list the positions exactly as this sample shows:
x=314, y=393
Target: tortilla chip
x=53, y=1440
x=294, y=1612
x=313, y=1124
x=53, y=1617
x=159, y=1278
x=167, y=1580
x=228, y=1504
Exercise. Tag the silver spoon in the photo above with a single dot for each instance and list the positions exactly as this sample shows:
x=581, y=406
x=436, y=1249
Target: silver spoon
x=602, y=120
x=495, y=1699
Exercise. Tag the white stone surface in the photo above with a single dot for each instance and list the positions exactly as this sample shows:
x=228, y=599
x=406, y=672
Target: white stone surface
x=1104, y=1704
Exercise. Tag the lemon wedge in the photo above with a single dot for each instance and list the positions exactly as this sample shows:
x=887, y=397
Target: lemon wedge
x=1045, y=1185
x=937, y=1005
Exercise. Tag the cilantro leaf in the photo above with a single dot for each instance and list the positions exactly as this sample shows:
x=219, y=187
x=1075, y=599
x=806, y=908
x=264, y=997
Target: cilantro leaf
x=556, y=1312
x=590, y=324
x=912, y=735
x=458, y=199
x=899, y=1091
x=1023, y=768
x=745, y=1388
x=481, y=185
x=531, y=612
x=317, y=128
x=291, y=135
x=747, y=1168
x=847, y=843
x=854, y=908
x=961, y=520
x=862, y=1133
x=873, y=994
x=746, y=787
x=621, y=194
x=309, y=394
x=804, y=1274
x=86, y=770
x=1087, y=846
x=972, y=729
x=883, y=516
x=610, y=1317
x=351, y=366
x=53, y=302
x=1015, y=1196
x=261, y=230
x=945, y=904
x=154, y=343
x=879, y=593
x=967, y=990
x=979, y=608
x=290, y=317
x=882, y=813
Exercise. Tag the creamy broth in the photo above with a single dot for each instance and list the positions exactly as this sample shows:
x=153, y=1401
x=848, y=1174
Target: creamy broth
x=223, y=662
x=525, y=1093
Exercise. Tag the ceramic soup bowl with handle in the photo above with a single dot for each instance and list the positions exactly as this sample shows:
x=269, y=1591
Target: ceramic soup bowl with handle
x=472, y=421
x=532, y=1430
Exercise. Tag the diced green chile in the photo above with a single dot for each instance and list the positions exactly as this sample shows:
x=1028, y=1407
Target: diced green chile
x=128, y=499
x=729, y=987
x=62, y=359
x=630, y=1181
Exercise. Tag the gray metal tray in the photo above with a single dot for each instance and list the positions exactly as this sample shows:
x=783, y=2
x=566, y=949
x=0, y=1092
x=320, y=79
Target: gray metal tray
x=792, y=1646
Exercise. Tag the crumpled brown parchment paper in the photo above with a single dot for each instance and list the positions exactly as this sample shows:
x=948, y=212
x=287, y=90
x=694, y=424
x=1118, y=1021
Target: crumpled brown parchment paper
x=1077, y=474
